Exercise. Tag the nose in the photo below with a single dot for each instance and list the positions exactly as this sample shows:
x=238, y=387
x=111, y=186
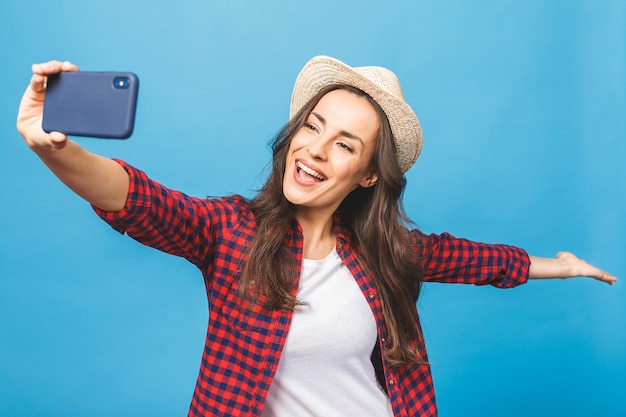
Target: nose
x=317, y=149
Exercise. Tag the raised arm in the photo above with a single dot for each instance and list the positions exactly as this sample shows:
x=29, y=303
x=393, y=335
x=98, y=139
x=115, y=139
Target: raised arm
x=566, y=265
x=99, y=180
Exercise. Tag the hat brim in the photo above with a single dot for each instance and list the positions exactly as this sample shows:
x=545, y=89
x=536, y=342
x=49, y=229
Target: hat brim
x=322, y=71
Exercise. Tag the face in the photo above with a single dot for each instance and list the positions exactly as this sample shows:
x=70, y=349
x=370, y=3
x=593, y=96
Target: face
x=331, y=154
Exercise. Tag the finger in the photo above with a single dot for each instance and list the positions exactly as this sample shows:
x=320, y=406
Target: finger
x=68, y=66
x=608, y=278
x=565, y=255
x=57, y=140
x=46, y=68
x=38, y=83
x=599, y=274
x=52, y=67
x=41, y=72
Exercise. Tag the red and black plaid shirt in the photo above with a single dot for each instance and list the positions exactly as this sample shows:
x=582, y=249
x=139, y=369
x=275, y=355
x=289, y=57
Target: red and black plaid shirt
x=244, y=340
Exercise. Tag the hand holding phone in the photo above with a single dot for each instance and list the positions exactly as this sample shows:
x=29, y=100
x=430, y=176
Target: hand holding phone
x=97, y=179
x=30, y=114
x=95, y=104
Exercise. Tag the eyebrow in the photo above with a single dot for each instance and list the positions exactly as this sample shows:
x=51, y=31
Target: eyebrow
x=343, y=132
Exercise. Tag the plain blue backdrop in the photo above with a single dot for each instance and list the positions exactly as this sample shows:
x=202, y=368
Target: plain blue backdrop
x=523, y=109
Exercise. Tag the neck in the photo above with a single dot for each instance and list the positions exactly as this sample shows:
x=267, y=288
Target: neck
x=317, y=230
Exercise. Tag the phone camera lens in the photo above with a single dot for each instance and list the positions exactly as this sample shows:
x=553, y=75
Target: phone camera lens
x=121, y=83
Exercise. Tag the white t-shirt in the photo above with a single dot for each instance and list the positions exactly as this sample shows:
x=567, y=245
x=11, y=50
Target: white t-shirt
x=325, y=368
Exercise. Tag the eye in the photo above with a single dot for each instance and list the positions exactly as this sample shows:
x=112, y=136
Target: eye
x=346, y=147
x=311, y=127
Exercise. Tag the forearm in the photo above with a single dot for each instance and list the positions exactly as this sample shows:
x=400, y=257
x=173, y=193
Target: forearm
x=541, y=268
x=99, y=180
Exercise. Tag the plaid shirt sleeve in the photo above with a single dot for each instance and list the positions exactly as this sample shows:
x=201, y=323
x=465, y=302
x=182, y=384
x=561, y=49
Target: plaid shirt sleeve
x=168, y=220
x=448, y=259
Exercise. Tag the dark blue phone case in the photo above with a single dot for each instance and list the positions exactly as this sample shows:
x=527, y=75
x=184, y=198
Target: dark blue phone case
x=95, y=104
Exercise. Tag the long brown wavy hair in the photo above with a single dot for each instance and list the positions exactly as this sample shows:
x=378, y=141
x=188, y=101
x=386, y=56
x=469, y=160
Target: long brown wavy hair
x=377, y=221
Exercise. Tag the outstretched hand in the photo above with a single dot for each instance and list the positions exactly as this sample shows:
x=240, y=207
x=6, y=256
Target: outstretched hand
x=567, y=265
x=30, y=114
x=580, y=268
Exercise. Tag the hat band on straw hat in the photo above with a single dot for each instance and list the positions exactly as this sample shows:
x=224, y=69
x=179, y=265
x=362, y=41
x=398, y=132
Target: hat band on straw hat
x=380, y=84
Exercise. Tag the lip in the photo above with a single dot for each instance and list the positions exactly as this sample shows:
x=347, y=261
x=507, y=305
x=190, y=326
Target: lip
x=297, y=168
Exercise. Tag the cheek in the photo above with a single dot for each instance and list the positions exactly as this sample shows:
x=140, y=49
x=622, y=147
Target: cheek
x=351, y=171
x=294, y=144
x=297, y=142
x=288, y=157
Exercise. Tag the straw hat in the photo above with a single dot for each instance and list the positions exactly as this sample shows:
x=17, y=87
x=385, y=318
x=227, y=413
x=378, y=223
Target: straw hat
x=380, y=83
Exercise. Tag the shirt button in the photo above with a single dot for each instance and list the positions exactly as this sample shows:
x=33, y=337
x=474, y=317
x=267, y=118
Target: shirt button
x=383, y=340
x=371, y=296
x=391, y=382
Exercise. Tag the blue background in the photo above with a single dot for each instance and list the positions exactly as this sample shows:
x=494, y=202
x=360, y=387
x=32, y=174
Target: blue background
x=523, y=109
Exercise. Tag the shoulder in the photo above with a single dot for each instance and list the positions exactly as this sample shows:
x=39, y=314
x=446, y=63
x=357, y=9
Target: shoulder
x=233, y=204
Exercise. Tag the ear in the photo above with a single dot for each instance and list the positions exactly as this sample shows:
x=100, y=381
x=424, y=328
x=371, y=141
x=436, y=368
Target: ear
x=369, y=181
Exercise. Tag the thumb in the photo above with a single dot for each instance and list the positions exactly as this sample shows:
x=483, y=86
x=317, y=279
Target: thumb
x=57, y=140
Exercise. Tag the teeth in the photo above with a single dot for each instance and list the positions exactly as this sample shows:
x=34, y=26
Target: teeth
x=310, y=171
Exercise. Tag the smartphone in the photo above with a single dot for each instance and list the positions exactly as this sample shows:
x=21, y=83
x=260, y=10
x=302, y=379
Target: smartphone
x=94, y=104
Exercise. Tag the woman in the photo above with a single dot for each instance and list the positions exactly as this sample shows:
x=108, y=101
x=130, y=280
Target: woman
x=312, y=284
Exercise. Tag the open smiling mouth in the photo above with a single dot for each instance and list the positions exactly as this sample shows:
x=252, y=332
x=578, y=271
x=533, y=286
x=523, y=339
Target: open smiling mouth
x=311, y=173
